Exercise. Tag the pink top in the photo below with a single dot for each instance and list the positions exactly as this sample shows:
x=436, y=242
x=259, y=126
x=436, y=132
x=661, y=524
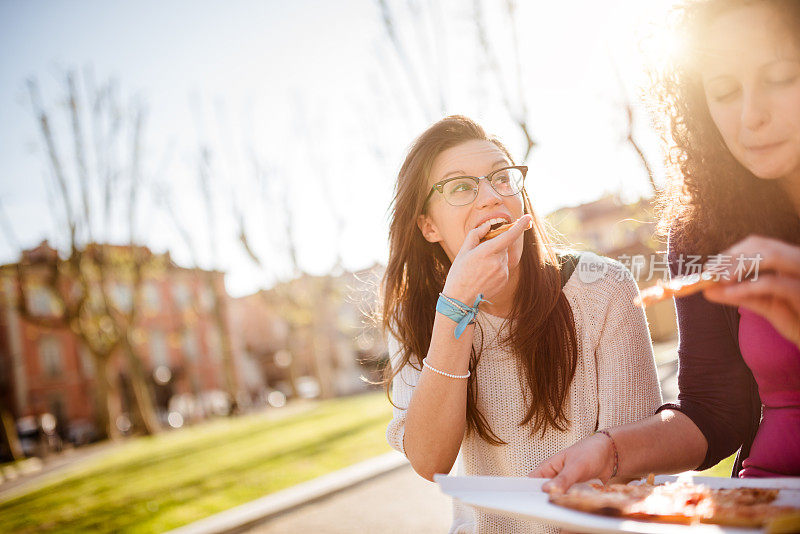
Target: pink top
x=775, y=363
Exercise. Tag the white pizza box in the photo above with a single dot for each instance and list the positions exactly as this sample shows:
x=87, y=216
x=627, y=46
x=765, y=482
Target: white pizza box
x=523, y=497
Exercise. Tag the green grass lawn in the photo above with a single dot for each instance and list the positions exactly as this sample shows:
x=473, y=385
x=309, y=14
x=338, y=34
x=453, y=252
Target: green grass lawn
x=152, y=484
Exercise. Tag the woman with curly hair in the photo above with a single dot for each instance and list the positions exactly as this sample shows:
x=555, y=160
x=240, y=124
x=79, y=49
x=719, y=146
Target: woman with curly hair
x=498, y=352
x=733, y=105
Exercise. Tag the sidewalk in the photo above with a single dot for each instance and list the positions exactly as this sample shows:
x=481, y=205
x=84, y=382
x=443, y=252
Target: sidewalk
x=306, y=495
x=399, y=501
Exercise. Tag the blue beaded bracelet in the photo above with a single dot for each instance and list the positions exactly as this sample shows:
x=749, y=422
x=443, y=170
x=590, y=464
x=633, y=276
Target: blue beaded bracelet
x=459, y=312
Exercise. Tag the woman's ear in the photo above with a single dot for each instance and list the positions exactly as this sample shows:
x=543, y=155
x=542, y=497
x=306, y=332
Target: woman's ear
x=428, y=228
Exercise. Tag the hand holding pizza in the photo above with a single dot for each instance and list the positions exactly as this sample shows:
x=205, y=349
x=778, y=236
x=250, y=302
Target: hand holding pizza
x=775, y=293
x=482, y=267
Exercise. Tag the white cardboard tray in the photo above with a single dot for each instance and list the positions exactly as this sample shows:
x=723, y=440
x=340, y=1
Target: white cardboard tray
x=523, y=497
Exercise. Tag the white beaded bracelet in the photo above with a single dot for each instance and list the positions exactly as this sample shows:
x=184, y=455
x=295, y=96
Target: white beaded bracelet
x=448, y=375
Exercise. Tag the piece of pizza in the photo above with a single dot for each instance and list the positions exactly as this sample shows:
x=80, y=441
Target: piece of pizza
x=665, y=503
x=496, y=229
x=680, y=286
x=681, y=502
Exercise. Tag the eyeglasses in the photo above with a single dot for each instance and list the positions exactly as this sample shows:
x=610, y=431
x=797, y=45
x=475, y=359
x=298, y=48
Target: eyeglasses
x=462, y=190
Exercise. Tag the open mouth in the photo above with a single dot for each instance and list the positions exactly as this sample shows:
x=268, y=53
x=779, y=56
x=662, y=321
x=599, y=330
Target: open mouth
x=497, y=223
x=497, y=227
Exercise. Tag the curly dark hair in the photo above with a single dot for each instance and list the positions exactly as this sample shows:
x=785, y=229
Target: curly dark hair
x=712, y=201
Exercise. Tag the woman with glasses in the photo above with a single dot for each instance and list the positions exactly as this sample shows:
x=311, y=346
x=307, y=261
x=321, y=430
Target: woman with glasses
x=733, y=105
x=496, y=353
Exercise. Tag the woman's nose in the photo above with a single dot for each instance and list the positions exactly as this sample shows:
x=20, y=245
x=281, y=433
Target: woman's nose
x=755, y=110
x=487, y=196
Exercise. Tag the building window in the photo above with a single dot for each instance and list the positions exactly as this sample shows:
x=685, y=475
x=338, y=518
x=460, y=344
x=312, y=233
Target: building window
x=40, y=301
x=87, y=363
x=207, y=298
x=123, y=296
x=214, y=343
x=158, y=348
x=183, y=295
x=152, y=298
x=189, y=342
x=50, y=354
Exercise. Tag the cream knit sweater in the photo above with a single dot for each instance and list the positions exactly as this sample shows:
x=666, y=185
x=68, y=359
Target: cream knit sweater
x=615, y=383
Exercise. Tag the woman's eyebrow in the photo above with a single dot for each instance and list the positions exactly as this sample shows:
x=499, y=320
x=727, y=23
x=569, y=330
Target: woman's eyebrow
x=719, y=78
x=779, y=61
x=502, y=162
x=454, y=173
x=762, y=68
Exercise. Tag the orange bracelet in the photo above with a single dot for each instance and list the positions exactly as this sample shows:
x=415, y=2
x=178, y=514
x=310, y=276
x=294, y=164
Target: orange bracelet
x=614, y=447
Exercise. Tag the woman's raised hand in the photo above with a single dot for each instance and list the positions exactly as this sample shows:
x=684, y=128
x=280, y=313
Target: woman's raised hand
x=482, y=267
x=775, y=293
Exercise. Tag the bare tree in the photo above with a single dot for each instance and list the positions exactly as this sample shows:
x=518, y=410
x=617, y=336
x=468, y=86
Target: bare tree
x=426, y=45
x=205, y=280
x=518, y=111
x=298, y=306
x=82, y=281
x=8, y=434
x=630, y=138
x=412, y=76
x=219, y=308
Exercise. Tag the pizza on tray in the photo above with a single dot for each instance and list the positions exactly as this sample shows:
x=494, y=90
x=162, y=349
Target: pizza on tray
x=681, y=502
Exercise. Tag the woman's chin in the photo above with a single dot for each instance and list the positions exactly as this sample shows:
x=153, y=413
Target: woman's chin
x=767, y=175
x=769, y=169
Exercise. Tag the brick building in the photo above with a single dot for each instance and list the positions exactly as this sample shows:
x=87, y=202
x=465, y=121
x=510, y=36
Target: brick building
x=312, y=336
x=46, y=369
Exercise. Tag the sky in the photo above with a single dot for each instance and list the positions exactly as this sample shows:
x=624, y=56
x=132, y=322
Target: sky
x=309, y=101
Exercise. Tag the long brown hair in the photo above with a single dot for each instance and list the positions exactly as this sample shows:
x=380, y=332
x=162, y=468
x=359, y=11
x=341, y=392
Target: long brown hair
x=545, y=346
x=712, y=201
